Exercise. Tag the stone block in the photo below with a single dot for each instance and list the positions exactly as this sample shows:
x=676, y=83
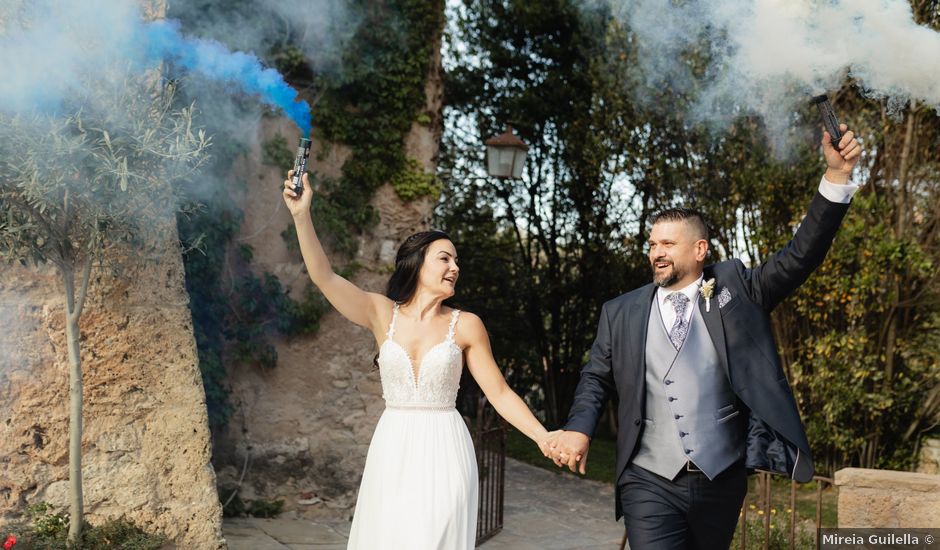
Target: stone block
x=888, y=498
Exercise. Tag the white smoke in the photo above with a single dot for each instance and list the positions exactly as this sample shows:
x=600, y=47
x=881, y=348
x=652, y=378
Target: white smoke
x=319, y=28
x=767, y=57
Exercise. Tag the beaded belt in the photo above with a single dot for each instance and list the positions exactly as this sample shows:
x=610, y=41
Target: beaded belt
x=442, y=407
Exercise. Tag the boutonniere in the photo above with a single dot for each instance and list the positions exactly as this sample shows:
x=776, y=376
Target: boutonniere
x=708, y=290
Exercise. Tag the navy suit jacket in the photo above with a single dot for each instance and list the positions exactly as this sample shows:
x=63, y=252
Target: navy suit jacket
x=743, y=338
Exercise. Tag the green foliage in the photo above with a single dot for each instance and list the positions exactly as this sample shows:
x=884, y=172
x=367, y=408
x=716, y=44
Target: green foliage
x=261, y=309
x=265, y=508
x=542, y=254
x=233, y=506
x=857, y=414
x=99, y=176
x=859, y=341
x=276, y=152
x=413, y=182
x=424, y=119
x=288, y=59
x=91, y=186
x=47, y=530
x=779, y=535
x=601, y=462
x=304, y=314
x=47, y=524
x=235, y=311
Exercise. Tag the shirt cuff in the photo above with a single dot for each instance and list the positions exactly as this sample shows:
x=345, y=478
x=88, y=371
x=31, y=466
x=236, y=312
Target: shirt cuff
x=834, y=192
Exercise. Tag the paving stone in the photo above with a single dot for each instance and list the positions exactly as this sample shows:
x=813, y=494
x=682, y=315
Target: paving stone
x=254, y=541
x=544, y=510
x=288, y=531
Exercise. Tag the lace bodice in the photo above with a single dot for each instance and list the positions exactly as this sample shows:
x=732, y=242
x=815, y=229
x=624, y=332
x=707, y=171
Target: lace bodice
x=438, y=375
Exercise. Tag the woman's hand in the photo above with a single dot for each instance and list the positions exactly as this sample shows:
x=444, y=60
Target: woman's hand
x=297, y=205
x=545, y=441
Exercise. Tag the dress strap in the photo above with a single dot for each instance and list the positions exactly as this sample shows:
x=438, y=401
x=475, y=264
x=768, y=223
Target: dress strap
x=453, y=325
x=391, y=326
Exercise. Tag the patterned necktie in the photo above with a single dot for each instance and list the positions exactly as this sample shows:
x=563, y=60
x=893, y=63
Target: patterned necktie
x=680, y=328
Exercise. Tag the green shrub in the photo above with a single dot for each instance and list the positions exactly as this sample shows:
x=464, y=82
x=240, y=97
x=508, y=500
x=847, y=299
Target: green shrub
x=412, y=182
x=265, y=508
x=779, y=534
x=46, y=530
x=233, y=506
x=276, y=152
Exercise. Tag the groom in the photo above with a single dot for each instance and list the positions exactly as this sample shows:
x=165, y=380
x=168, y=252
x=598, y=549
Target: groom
x=693, y=363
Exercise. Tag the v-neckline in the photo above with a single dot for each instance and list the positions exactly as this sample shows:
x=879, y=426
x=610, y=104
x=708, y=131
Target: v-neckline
x=417, y=368
x=416, y=374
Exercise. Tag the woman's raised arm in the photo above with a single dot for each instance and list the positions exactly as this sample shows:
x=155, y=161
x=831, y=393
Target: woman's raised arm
x=352, y=302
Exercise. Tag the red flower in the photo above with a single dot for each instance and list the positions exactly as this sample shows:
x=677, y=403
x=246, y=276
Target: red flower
x=10, y=542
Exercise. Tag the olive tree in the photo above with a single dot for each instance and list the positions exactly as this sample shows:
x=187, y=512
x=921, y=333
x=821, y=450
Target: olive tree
x=84, y=185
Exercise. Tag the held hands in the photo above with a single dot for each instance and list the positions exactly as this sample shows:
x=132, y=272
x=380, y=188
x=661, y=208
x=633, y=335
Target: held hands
x=840, y=161
x=568, y=449
x=545, y=441
x=297, y=205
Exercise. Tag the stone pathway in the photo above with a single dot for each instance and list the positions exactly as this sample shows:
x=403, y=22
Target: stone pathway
x=543, y=511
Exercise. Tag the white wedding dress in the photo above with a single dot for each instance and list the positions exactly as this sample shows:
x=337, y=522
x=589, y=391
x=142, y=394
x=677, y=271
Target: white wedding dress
x=419, y=486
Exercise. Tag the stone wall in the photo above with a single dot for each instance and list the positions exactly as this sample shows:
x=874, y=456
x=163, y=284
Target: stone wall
x=146, y=448
x=887, y=498
x=928, y=461
x=300, y=431
x=146, y=451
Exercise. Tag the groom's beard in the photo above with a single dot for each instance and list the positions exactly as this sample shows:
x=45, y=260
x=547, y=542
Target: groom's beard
x=667, y=276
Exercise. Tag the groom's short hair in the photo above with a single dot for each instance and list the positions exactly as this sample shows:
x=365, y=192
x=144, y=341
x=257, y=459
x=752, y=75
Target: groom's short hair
x=689, y=215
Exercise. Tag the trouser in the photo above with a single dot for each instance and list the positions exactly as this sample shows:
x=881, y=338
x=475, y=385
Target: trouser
x=689, y=512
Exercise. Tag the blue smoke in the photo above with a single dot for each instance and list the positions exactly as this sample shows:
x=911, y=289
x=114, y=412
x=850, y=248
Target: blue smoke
x=209, y=58
x=58, y=49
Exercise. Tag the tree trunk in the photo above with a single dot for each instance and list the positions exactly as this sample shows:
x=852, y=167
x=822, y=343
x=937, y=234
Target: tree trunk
x=902, y=207
x=552, y=418
x=73, y=311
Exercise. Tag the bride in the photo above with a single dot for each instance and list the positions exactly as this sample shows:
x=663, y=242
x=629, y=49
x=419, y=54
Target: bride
x=419, y=486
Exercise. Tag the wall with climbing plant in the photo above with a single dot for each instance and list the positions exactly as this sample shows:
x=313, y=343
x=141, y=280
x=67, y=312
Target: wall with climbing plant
x=292, y=395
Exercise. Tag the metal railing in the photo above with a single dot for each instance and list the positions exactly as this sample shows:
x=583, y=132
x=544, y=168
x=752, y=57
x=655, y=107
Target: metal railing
x=490, y=447
x=765, y=509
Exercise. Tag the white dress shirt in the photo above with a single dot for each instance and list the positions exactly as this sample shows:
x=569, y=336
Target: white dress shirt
x=834, y=192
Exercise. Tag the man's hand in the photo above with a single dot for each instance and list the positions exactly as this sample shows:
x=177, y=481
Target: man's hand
x=841, y=161
x=570, y=449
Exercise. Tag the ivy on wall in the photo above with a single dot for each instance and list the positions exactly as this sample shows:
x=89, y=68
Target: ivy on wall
x=369, y=106
x=234, y=311
x=412, y=182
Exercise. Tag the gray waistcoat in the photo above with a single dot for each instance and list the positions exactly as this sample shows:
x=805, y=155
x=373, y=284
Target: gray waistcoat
x=690, y=409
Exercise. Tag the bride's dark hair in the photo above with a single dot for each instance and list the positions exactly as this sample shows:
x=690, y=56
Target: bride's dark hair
x=403, y=283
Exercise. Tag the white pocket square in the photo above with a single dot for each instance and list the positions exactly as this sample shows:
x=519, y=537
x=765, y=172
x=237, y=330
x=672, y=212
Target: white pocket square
x=724, y=297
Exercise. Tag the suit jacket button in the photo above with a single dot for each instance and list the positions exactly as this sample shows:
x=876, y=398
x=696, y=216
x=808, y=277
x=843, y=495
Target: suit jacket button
x=688, y=451
x=668, y=382
x=636, y=422
x=683, y=434
x=678, y=416
x=672, y=399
